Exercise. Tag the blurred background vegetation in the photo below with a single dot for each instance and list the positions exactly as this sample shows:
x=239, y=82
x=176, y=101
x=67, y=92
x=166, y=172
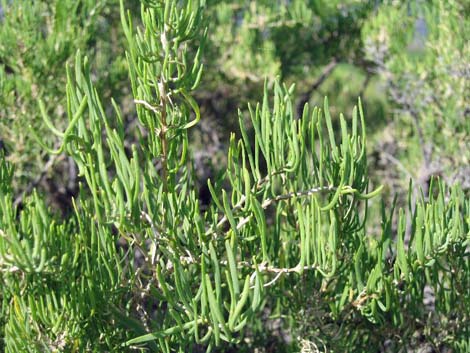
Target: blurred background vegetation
x=407, y=60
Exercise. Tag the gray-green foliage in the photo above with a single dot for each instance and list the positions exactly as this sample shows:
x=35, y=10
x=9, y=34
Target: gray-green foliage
x=252, y=40
x=420, y=50
x=249, y=41
x=285, y=234
x=36, y=41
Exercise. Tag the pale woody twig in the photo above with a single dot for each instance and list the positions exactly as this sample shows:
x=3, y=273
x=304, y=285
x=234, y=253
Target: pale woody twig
x=269, y=201
x=242, y=200
x=147, y=105
x=287, y=196
x=279, y=272
x=297, y=269
x=274, y=280
x=146, y=216
x=290, y=195
x=261, y=268
x=310, y=346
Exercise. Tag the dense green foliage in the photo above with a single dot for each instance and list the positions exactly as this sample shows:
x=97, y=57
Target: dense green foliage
x=281, y=241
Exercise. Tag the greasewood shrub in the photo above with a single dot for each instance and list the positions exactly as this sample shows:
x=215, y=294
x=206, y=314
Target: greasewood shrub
x=139, y=266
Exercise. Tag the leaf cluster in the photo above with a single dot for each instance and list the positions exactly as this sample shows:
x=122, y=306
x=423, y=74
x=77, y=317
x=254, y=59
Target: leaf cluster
x=141, y=265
